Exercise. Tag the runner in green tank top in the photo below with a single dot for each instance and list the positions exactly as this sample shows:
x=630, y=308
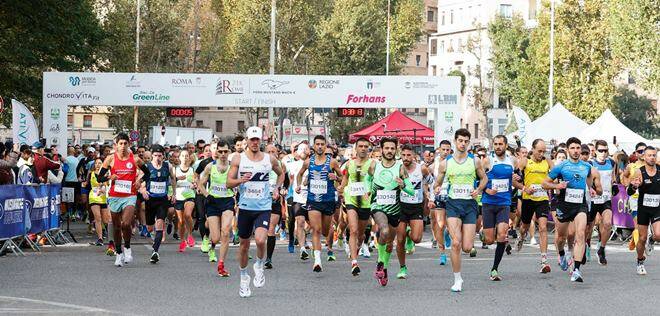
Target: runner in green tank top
x=220, y=204
x=389, y=179
x=461, y=171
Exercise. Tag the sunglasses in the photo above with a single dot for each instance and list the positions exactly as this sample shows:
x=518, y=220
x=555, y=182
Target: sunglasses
x=223, y=151
x=641, y=151
x=603, y=150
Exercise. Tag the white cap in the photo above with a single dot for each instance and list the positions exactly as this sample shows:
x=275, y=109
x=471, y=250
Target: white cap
x=254, y=132
x=91, y=149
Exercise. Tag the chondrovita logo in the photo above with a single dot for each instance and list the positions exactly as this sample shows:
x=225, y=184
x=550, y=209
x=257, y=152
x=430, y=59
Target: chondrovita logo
x=364, y=99
x=150, y=97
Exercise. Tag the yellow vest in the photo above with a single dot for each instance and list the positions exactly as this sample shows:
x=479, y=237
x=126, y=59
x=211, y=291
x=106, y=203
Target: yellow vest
x=535, y=173
x=94, y=197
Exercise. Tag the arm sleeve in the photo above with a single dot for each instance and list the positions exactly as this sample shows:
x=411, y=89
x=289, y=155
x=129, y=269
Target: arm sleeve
x=631, y=190
x=145, y=172
x=102, y=176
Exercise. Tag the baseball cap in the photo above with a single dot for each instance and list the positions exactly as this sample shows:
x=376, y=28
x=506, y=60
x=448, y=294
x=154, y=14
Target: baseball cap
x=91, y=149
x=157, y=149
x=254, y=132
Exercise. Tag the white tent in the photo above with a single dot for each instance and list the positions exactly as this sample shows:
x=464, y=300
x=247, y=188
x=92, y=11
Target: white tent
x=558, y=124
x=606, y=127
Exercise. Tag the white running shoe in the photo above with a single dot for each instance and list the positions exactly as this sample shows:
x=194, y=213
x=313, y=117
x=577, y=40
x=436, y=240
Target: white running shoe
x=128, y=255
x=533, y=241
x=347, y=248
x=245, y=290
x=365, y=251
x=259, y=278
x=119, y=260
x=641, y=270
x=458, y=286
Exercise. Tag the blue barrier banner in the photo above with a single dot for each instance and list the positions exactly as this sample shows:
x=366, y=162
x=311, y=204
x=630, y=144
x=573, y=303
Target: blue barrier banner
x=55, y=195
x=12, y=211
x=38, y=203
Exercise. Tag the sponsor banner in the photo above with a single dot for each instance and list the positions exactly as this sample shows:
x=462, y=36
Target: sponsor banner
x=621, y=212
x=37, y=203
x=298, y=133
x=12, y=211
x=25, y=130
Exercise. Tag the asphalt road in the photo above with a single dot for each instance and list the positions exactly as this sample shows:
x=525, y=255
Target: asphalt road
x=80, y=280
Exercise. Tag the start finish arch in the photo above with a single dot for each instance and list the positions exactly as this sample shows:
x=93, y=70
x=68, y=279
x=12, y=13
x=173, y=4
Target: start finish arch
x=63, y=89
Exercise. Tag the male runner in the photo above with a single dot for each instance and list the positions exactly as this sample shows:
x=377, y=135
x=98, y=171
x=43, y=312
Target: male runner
x=219, y=204
x=276, y=209
x=200, y=201
x=632, y=200
x=497, y=199
x=602, y=204
x=356, y=184
x=411, y=225
x=646, y=180
x=322, y=171
x=389, y=179
x=122, y=195
x=535, y=199
x=439, y=205
x=577, y=176
x=462, y=171
x=300, y=199
x=249, y=172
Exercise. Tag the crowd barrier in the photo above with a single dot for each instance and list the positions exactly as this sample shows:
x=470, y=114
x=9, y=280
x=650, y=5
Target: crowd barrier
x=29, y=209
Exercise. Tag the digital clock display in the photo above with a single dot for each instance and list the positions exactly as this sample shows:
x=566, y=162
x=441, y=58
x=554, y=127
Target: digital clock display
x=351, y=112
x=180, y=112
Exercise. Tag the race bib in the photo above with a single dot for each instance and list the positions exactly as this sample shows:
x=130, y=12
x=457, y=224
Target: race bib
x=601, y=199
x=411, y=199
x=219, y=190
x=318, y=187
x=157, y=187
x=574, y=195
x=386, y=197
x=357, y=189
x=538, y=191
x=461, y=191
x=253, y=190
x=651, y=200
x=300, y=197
x=123, y=186
x=500, y=185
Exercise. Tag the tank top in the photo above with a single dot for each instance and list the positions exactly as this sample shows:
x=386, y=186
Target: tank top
x=534, y=174
x=649, y=191
x=576, y=174
x=385, y=191
x=416, y=178
x=254, y=194
x=321, y=188
x=461, y=178
x=218, y=183
x=184, y=188
x=500, y=177
x=126, y=171
x=359, y=183
x=95, y=195
x=159, y=180
x=605, y=171
x=272, y=179
x=633, y=167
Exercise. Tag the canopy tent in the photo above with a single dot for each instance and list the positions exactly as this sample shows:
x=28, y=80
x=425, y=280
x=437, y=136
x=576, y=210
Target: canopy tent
x=558, y=124
x=396, y=124
x=606, y=127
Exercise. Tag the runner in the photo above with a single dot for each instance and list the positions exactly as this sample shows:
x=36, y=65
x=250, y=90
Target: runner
x=322, y=171
x=161, y=177
x=99, y=206
x=462, y=171
x=411, y=225
x=122, y=195
x=249, y=172
x=646, y=180
x=219, y=204
x=535, y=199
x=355, y=185
x=576, y=177
x=185, y=198
x=602, y=204
x=497, y=199
x=276, y=209
x=206, y=157
x=438, y=208
x=300, y=199
x=389, y=179
x=632, y=200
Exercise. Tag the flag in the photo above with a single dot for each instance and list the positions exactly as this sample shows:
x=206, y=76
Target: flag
x=519, y=123
x=25, y=130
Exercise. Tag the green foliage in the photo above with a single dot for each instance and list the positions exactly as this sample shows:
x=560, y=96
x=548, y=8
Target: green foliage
x=637, y=113
x=458, y=73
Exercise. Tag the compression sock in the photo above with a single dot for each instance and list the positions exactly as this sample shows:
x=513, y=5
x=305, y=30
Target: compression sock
x=367, y=234
x=386, y=258
x=212, y=246
x=381, y=252
x=110, y=229
x=270, y=247
x=157, y=240
x=499, y=252
x=292, y=227
x=577, y=265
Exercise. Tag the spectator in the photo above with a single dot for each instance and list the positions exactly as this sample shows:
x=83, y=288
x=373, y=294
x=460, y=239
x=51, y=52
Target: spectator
x=7, y=162
x=25, y=174
x=42, y=164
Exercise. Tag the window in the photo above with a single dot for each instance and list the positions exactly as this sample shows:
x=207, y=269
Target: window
x=442, y=46
x=431, y=124
x=199, y=123
x=451, y=46
x=87, y=121
x=433, y=70
x=506, y=11
x=460, y=14
x=442, y=71
x=532, y=10
x=443, y=17
x=69, y=120
x=218, y=126
x=418, y=60
x=220, y=108
x=430, y=16
x=476, y=130
x=241, y=125
x=434, y=47
x=451, y=17
x=460, y=45
x=469, y=14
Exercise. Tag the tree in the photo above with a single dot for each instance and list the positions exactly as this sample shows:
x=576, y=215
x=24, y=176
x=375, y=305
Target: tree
x=480, y=95
x=38, y=36
x=510, y=39
x=458, y=73
x=637, y=113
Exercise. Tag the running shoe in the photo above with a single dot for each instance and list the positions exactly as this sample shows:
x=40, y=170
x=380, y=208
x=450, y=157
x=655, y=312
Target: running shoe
x=533, y=241
x=366, y=253
x=212, y=256
x=143, y=231
x=545, y=268
x=576, y=276
x=268, y=264
x=384, y=280
x=508, y=249
x=355, y=269
x=119, y=260
x=259, y=278
x=111, y=249
x=473, y=252
x=128, y=255
x=99, y=243
x=235, y=239
x=221, y=270
x=484, y=246
x=494, y=276
x=443, y=259
x=403, y=273
x=519, y=244
x=182, y=246
x=447, y=239
x=587, y=254
x=191, y=241
x=282, y=234
x=331, y=256
x=347, y=250
x=458, y=286
x=563, y=263
x=303, y=254
x=640, y=269
x=291, y=249
x=601, y=257
x=175, y=236
x=155, y=257
x=379, y=273
x=649, y=245
x=317, y=268
x=206, y=245
x=410, y=245
x=245, y=290
x=169, y=228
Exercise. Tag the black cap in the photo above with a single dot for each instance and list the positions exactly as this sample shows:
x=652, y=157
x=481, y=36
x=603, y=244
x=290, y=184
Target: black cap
x=157, y=149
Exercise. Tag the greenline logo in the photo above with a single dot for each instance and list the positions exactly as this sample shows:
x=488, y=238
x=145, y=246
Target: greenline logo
x=150, y=97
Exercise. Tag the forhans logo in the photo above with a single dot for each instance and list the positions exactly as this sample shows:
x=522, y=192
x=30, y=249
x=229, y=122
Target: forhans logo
x=364, y=99
x=150, y=96
x=225, y=86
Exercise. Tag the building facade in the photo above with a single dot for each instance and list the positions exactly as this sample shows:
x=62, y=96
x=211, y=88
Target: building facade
x=85, y=126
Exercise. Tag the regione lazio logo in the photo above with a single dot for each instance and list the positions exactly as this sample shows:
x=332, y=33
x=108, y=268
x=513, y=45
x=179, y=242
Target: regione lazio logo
x=312, y=84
